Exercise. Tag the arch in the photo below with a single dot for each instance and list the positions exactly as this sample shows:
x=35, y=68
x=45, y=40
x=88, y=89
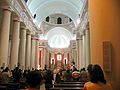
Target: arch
x=47, y=19
x=69, y=8
x=59, y=20
x=59, y=37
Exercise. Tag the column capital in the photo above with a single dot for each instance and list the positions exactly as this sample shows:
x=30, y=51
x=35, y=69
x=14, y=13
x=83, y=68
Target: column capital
x=16, y=20
x=29, y=33
x=35, y=38
x=32, y=35
x=87, y=26
x=6, y=8
x=23, y=27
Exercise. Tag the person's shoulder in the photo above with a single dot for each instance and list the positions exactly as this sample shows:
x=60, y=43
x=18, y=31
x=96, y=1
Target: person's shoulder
x=109, y=86
x=88, y=84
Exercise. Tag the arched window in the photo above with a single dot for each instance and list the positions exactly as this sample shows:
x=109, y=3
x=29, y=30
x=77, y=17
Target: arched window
x=26, y=1
x=47, y=19
x=70, y=19
x=34, y=16
x=59, y=20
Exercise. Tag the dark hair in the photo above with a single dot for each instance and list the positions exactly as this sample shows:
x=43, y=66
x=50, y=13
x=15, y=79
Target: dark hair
x=97, y=74
x=33, y=79
x=6, y=69
x=89, y=68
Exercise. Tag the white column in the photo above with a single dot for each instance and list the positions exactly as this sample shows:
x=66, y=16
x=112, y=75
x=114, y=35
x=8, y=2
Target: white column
x=15, y=45
x=37, y=54
x=72, y=52
x=28, y=51
x=4, y=37
x=52, y=56
x=87, y=32
x=84, y=50
x=44, y=56
x=47, y=58
x=33, y=53
x=78, y=54
x=81, y=52
x=22, y=48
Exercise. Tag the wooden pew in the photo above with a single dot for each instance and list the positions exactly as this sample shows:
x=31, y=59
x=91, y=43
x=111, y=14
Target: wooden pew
x=66, y=88
x=72, y=82
x=11, y=86
x=68, y=85
x=3, y=87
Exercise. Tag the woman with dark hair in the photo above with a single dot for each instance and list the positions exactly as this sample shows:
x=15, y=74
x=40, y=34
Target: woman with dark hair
x=89, y=69
x=97, y=79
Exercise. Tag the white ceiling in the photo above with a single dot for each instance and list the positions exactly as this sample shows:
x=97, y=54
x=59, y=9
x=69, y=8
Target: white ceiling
x=57, y=37
x=44, y=8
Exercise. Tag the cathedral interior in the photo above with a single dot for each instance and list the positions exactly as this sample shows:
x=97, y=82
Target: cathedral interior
x=35, y=34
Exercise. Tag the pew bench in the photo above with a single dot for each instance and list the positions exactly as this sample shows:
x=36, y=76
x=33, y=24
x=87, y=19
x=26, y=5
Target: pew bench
x=10, y=86
x=66, y=88
x=72, y=82
x=68, y=85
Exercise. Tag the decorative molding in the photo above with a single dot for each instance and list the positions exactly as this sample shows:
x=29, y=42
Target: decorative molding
x=20, y=8
x=84, y=18
x=45, y=26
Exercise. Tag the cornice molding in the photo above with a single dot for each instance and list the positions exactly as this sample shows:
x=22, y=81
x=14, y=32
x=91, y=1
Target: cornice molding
x=20, y=8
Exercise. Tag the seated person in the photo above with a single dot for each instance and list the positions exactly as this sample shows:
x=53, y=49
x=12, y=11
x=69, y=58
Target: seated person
x=68, y=75
x=83, y=75
x=5, y=76
x=97, y=80
x=33, y=80
x=76, y=75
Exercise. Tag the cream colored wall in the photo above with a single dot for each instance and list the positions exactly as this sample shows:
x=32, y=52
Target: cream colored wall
x=105, y=26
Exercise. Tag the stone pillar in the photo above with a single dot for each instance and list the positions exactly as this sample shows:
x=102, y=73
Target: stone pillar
x=4, y=37
x=28, y=51
x=51, y=62
x=42, y=62
x=47, y=57
x=81, y=52
x=84, y=50
x=44, y=56
x=33, y=50
x=22, y=48
x=73, y=57
x=78, y=54
x=87, y=34
x=15, y=44
x=37, y=54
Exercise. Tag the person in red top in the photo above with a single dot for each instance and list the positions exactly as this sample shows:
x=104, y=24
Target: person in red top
x=97, y=80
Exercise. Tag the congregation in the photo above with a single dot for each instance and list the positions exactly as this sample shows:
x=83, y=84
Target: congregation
x=93, y=77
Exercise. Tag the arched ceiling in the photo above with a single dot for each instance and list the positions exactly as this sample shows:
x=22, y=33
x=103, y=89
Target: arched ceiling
x=44, y=8
x=59, y=37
